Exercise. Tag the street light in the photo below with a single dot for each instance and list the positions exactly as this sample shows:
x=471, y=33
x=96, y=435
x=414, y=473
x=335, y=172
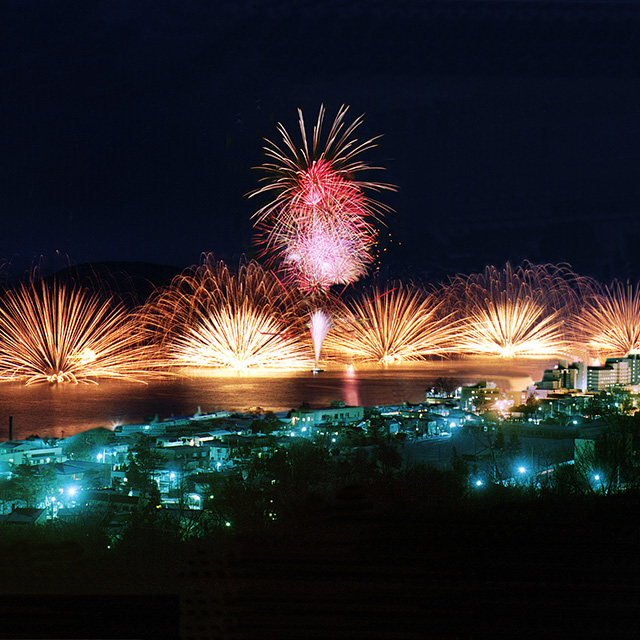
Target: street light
x=597, y=477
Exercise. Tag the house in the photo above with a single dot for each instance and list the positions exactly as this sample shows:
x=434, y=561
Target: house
x=110, y=500
x=186, y=457
x=77, y=473
x=115, y=455
x=486, y=396
x=306, y=419
x=153, y=428
x=31, y=452
x=24, y=516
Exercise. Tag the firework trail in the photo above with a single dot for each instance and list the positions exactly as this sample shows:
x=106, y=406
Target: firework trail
x=319, y=226
x=609, y=321
x=320, y=324
x=62, y=332
x=389, y=324
x=519, y=312
x=212, y=317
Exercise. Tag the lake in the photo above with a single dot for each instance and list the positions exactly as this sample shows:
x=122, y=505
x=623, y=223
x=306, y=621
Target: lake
x=62, y=410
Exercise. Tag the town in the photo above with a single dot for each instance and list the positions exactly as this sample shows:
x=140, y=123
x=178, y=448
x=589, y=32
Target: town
x=576, y=428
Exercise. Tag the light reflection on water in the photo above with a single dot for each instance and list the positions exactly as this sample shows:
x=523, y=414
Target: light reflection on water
x=62, y=410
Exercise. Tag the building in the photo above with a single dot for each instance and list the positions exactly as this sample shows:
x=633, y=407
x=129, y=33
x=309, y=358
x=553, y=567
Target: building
x=616, y=372
x=73, y=475
x=24, y=516
x=479, y=396
x=634, y=365
x=219, y=454
x=193, y=440
x=186, y=457
x=486, y=396
x=307, y=419
x=110, y=500
x=31, y=452
x=564, y=376
x=149, y=429
x=115, y=455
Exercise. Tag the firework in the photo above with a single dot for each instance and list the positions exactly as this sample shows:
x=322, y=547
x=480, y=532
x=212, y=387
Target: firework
x=392, y=324
x=212, y=317
x=320, y=324
x=609, y=321
x=509, y=327
x=319, y=225
x=326, y=252
x=56, y=332
x=514, y=312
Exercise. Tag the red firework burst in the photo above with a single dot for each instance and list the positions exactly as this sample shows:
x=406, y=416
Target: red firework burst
x=320, y=225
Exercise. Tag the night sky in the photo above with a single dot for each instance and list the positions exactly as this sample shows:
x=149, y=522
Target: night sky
x=128, y=129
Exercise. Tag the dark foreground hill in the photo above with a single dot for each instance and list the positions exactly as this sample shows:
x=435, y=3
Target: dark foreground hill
x=353, y=569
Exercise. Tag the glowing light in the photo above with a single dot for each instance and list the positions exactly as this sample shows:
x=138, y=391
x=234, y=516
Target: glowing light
x=514, y=312
x=55, y=332
x=609, y=321
x=212, y=317
x=319, y=225
x=319, y=325
x=392, y=324
x=324, y=252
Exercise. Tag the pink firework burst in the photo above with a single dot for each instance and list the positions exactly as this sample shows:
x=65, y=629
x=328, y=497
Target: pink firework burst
x=319, y=225
x=321, y=258
x=326, y=246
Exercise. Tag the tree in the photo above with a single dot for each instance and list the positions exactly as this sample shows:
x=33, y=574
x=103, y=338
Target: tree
x=514, y=446
x=445, y=386
x=30, y=484
x=531, y=406
x=143, y=463
x=387, y=458
x=459, y=466
x=82, y=446
x=377, y=429
x=267, y=423
x=240, y=505
x=497, y=468
x=606, y=462
x=301, y=466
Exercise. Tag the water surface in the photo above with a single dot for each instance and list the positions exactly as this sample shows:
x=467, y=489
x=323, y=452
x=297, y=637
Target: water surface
x=62, y=410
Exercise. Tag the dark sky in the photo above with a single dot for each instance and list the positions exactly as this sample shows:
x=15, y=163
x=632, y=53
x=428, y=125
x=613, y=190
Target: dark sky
x=512, y=129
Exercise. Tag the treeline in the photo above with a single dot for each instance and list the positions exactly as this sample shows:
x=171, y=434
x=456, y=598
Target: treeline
x=308, y=540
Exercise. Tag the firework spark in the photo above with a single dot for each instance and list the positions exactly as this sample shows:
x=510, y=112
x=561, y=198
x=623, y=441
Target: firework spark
x=55, y=332
x=392, y=324
x=609, y=322
x=211, y=317
x=509, y=328
x=514, y=312
x=324, y=252
x=320, y=324
x=319, y=225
